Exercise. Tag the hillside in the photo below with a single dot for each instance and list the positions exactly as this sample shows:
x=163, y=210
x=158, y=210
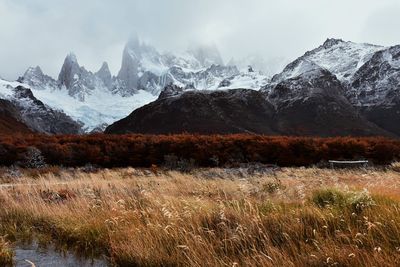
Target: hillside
x=10, y=121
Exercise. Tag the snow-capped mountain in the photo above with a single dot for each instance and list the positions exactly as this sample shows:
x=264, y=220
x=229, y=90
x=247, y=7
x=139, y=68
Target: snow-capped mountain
x=79, y=82
x=337, y=77
x=367, y=72
x=341, y=58
x=95, y=109
x=369, y=76
x=201, y=68
x=97, y=99
x=339, y=88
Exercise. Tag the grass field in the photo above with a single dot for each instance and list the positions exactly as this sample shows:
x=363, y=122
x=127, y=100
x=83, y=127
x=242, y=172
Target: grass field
x=210, y=217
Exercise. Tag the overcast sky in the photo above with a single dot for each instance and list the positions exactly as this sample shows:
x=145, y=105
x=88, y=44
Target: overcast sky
x=42, y=32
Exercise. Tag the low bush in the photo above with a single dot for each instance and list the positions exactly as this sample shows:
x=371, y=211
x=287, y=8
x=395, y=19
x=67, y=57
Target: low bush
x=357, y=202
x=328, y=197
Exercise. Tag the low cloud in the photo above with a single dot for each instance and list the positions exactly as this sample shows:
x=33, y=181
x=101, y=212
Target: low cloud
x=42, y=32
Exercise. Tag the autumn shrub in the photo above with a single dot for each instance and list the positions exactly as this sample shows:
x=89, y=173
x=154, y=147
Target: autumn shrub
x=205, y=150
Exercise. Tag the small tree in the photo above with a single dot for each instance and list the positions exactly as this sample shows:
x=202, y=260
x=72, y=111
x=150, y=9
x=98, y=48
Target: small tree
x=34, y=158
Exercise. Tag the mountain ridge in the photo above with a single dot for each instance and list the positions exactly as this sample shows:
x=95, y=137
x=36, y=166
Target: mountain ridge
x=98, y=98
x=312, y=95
x=365, y=78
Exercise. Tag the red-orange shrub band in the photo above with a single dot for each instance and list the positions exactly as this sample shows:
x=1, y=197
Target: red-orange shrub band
x=145, y=150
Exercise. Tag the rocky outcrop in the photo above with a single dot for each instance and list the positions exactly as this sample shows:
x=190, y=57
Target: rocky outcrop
x=170, y=91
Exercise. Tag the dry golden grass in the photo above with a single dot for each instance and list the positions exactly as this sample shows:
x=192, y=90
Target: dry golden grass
x=213, y=217
x=6, y=254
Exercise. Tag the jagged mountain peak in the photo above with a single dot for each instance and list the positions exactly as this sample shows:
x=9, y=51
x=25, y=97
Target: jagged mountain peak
x=70, y=71
x=138, y=58
x=71, y=61
x=77, y=80
x=71, y=57
x=104, y=70
x=104, y=74
x=129, y=73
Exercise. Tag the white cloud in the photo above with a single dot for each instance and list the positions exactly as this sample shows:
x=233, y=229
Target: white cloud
x=42, y=32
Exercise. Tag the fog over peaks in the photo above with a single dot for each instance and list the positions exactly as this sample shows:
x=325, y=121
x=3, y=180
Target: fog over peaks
x=42, y=32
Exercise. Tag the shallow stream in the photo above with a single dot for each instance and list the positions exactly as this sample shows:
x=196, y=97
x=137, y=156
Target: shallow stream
x=48, y=257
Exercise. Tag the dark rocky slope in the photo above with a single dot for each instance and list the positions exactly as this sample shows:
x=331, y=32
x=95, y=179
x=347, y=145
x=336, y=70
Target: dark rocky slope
x=204, y=112
x=40, y=117
x=310, y=104
x=10, y=119
x=313, y=103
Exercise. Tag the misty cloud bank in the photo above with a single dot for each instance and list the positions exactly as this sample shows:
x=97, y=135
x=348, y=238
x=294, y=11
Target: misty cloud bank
x=42, y=32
